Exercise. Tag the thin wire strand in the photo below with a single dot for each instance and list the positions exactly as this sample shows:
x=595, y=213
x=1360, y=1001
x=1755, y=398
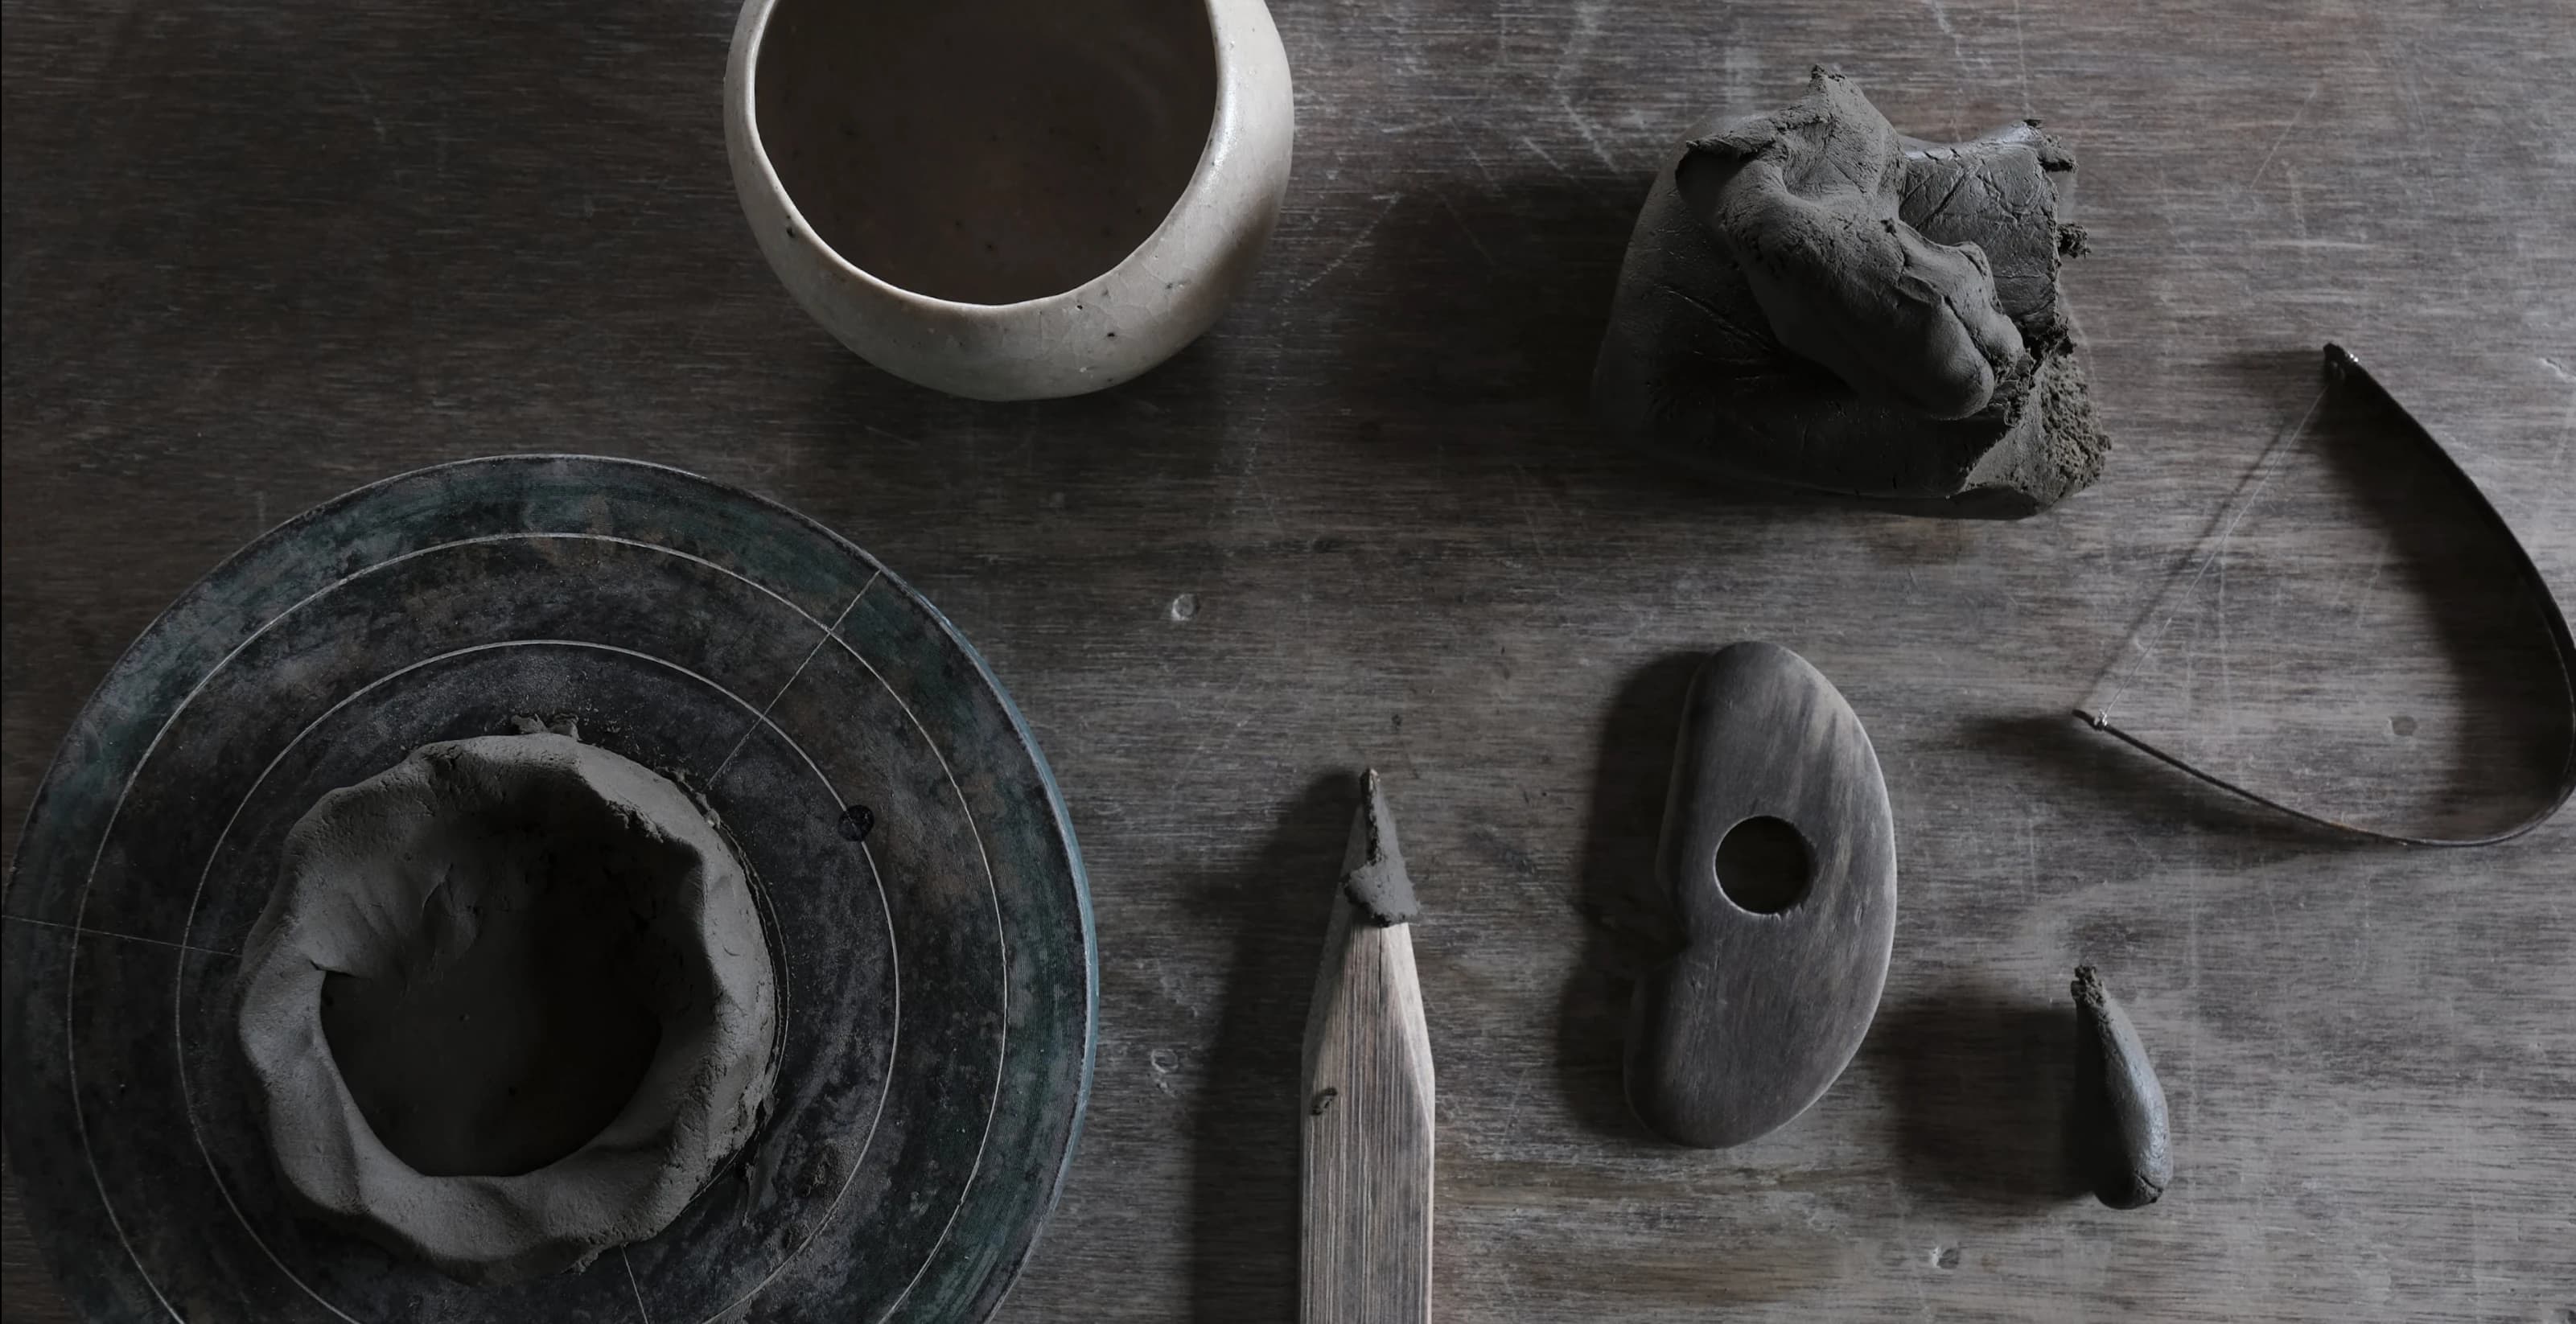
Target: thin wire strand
x=2342, y=367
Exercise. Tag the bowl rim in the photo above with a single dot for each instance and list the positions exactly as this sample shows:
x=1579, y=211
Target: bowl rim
x=1224, y=140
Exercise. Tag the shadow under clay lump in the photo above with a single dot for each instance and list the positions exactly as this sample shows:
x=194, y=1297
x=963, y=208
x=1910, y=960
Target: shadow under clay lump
x=1812, y=300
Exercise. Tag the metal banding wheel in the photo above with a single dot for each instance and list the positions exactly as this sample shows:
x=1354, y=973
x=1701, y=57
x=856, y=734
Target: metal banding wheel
x=924, y=899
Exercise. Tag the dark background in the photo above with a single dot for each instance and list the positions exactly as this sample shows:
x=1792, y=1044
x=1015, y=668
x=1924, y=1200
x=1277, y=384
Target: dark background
x=260, y=253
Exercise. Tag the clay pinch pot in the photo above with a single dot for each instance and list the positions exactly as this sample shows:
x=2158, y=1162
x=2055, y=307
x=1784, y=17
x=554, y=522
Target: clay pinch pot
x=1010, y=199
x=509, y=1005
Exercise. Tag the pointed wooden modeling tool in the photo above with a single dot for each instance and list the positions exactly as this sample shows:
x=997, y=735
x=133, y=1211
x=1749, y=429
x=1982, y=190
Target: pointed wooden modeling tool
x=1367, y=1105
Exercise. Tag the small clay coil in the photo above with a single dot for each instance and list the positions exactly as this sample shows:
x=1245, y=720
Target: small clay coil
x=2123, y=1138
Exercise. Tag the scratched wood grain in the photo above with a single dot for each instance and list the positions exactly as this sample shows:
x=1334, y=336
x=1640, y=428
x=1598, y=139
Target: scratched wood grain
x=1369, y=1134
x=257, y=254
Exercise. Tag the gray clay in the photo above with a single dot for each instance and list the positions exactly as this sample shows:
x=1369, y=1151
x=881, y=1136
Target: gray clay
x=510, y=1005
x=1812, y=300
x=2122, y=1135
x=1805, y=200
x=1373, y=875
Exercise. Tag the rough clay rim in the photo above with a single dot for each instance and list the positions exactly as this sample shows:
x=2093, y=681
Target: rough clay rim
x=1059, y=815
x=1214, y=153
x=284, y=1083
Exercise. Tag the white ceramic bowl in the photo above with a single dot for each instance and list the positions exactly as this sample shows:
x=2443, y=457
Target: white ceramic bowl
x=1010, y=199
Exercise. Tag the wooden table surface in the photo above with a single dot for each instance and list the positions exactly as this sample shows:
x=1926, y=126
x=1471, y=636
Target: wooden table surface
x=259, y=254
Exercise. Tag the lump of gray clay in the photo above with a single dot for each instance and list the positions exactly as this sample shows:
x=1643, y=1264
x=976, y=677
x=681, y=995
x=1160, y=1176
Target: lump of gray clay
x=509, y=1005
x=1813, y=301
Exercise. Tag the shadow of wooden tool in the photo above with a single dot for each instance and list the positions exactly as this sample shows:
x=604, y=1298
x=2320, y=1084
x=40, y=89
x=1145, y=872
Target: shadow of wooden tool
x=1243, y=1187
x=1628, y=923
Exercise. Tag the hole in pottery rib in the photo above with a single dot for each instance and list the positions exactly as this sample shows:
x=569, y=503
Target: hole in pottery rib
x=988, y=152
x=522, y=1009
x=1763, y=865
